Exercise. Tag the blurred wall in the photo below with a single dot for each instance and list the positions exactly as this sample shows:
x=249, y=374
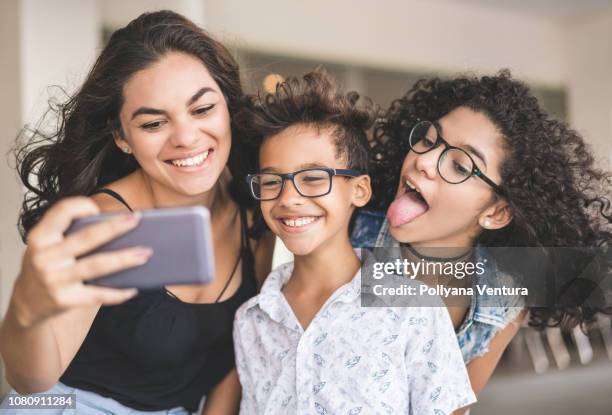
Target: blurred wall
x=10, y=120
x=117, y=13
x=59, y=43
x=42, y=43
x=589, y=79
x=419, y=35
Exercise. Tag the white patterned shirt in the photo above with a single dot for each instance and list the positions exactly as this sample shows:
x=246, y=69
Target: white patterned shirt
x=349, y=360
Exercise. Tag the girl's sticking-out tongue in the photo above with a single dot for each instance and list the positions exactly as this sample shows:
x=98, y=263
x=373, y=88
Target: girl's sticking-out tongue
x=406, y=208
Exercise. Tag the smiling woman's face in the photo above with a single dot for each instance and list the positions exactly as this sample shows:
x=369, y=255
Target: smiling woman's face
x=177, y=125
x=441, y=214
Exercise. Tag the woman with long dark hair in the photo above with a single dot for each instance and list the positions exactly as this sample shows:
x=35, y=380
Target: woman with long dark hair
x=481, y=165
x=150, y=127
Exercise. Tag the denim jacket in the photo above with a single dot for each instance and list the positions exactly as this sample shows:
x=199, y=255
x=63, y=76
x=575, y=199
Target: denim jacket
x=486, y=315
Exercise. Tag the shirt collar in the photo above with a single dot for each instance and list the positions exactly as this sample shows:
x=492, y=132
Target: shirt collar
x=272, y=301
x=270, y=298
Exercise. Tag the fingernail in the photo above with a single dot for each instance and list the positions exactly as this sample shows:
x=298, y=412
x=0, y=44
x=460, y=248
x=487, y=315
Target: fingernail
x=131, y=217
x=144, y=252
x=131, y=292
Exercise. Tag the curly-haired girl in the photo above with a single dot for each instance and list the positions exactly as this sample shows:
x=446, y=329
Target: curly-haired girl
x=480, y=164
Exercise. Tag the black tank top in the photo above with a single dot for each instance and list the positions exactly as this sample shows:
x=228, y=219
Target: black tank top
x=156, y=352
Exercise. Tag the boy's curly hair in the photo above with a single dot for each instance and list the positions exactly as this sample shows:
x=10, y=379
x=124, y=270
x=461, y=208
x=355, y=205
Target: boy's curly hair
x=557, y=195
x=314, y=100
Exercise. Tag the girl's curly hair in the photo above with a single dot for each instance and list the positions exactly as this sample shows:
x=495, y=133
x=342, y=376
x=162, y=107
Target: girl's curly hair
x=557, y=195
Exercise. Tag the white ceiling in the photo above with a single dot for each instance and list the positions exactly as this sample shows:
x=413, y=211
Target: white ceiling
x=554, y=9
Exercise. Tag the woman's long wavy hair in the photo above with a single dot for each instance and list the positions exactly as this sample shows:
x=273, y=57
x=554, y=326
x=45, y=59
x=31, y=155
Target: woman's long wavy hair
x=557, y=195
x=80, y=155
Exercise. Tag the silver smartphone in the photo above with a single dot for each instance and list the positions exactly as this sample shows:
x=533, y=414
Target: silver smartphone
x=181, y=240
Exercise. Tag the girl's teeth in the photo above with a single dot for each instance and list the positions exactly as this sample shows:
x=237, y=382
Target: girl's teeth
x=193, y=161
x=410, y=186
x=299, y=222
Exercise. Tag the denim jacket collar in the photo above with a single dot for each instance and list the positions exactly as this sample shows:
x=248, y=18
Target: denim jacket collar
x=489, y=314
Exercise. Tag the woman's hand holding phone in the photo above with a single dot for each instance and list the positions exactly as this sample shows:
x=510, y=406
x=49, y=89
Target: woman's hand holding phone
x=53, y=272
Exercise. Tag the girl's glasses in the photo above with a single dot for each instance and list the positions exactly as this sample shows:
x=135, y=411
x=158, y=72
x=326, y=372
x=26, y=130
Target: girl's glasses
x=455, y=165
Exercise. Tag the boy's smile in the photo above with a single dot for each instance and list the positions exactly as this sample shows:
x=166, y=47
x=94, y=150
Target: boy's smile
x=297, y=224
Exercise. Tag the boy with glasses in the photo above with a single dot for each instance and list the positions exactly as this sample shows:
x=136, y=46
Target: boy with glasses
x=305, y=344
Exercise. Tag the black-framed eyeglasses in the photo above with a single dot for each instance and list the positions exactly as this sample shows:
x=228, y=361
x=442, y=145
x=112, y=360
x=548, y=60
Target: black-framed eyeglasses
x=313, y=182
x=455, y=165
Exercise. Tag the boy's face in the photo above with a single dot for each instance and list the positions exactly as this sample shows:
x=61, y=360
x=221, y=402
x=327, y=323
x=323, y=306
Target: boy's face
x=307, y=224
